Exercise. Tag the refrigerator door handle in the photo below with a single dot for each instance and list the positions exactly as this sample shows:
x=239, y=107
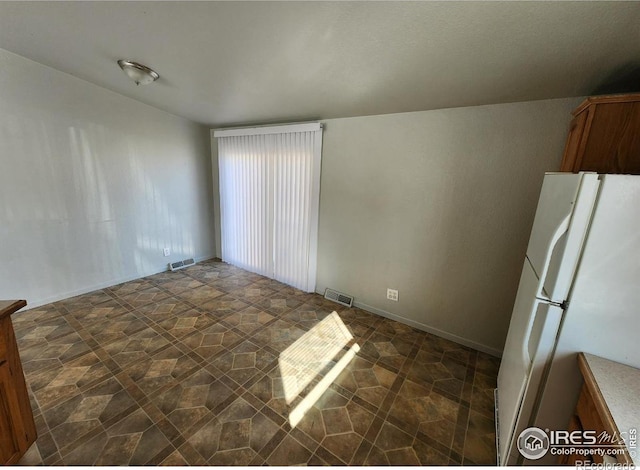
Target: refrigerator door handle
x=562, y=228
x=526, y=357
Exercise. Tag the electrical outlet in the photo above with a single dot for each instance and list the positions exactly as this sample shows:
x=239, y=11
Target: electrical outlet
x=392, y=294
x=167, y=251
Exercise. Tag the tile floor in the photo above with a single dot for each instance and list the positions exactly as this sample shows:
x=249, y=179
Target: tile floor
x=210, y=365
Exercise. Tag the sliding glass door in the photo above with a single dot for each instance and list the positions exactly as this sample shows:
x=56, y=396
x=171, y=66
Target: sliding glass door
x=269, y=198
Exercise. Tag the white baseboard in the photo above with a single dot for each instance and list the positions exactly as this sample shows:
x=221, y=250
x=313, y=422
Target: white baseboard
x=206, y=257
x=429, y=329
x=103, y=285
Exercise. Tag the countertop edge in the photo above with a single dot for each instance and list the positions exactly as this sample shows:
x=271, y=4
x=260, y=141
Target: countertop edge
x=9, y=307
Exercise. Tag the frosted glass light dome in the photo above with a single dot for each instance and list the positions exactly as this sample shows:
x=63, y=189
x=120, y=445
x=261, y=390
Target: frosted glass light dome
x=141, y=74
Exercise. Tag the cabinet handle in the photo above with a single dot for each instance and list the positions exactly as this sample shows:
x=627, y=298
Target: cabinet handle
x=2, y=362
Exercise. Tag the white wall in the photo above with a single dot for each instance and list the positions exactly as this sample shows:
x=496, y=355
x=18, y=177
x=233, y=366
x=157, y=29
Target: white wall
x=93, y=185
x=439, y=205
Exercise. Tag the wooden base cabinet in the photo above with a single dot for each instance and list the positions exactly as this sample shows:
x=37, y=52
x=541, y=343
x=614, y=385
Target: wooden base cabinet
x=604, y=136
x=17, y=428
x=593, y=414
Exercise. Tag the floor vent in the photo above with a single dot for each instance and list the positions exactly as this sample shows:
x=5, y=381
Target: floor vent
x=182, y=264
x=338, y=297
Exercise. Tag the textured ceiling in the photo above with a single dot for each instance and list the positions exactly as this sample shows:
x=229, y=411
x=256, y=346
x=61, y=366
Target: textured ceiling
x=229, y=63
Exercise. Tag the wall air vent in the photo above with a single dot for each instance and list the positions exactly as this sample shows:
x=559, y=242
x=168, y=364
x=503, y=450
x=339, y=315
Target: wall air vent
x=182, y=264
x=338, y=297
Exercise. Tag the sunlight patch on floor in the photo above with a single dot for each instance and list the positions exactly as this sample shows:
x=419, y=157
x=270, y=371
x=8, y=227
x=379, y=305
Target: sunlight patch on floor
x=300, y=410
x=309, y=356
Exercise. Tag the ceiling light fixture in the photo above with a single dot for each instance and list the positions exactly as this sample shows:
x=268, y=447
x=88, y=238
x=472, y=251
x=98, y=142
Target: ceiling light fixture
x=141, y=74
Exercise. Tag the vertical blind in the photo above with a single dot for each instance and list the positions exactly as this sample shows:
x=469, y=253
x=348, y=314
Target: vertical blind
x=269, y=198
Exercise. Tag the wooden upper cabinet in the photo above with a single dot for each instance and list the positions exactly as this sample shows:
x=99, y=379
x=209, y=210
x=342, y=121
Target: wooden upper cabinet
x=604, y=136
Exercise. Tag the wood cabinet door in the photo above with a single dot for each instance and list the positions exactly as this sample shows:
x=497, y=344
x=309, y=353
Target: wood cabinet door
x=613, y=144
x=17, y=428
x=10, y=451
x=574, y=146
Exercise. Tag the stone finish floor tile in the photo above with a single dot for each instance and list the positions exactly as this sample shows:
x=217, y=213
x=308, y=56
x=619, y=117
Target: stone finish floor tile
x=209, y=365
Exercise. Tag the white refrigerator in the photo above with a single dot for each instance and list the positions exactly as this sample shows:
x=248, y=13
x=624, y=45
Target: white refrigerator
x=579, y=291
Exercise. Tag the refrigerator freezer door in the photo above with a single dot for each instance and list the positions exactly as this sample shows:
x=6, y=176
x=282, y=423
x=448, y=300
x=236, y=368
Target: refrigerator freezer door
x=566, y=253
x=555, y=206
